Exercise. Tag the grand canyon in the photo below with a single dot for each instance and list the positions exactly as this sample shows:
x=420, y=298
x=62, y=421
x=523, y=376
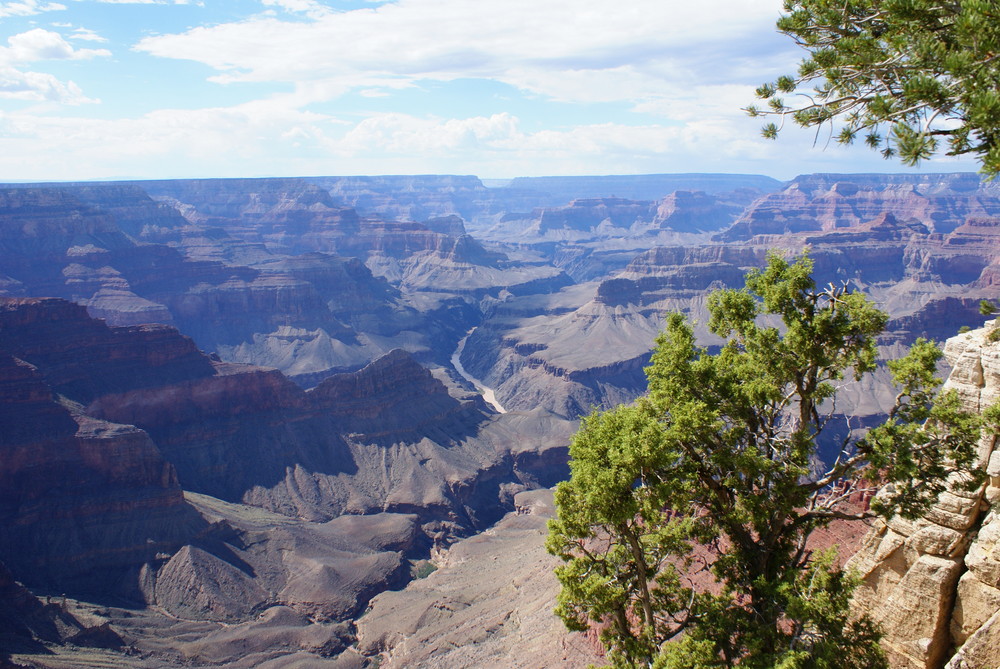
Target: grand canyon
x=313, y=422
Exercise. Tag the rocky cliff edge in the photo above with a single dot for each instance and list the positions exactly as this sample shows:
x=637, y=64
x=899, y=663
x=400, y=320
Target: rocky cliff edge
x=934, y=583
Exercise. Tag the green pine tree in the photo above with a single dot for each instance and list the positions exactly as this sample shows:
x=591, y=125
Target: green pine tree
x=910, y=76
x=715, y=469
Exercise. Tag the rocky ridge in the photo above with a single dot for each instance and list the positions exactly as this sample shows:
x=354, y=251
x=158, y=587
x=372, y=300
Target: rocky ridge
x=824, y=202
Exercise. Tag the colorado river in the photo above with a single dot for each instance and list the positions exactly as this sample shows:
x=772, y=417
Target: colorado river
x=456, y=360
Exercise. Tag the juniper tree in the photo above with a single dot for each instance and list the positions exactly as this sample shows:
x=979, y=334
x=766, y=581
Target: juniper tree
x=911, y=76
x=714, y=469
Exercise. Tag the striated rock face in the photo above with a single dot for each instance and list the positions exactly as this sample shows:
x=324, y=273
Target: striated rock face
x=934, y=583
x=923, y=249
x=359, y=443
x=392, y=394
x=49, y=220
x=222, y=432
x=83, y=358
x=298, y=216
x=451, y=225
x=416, y=198
x=277, y=204
x=411, y=198
x=681, y=214
x=232, y=296
x=132, y=209
x=642, y=186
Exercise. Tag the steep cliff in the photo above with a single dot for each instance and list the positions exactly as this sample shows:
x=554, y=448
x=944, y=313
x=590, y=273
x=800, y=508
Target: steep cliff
x=298, y=216
x=411, y=198
x=696, y=211
x=934, y=583
x=642, y=186
x=415, y=198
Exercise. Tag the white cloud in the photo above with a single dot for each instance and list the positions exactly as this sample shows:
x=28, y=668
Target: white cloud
x=223, y=141
x=28, y=8
x=497, y=145
x=144, y=2
x=310, y=8
x=699, y=101
x=87, y=35
x=40, y=44
x=574, y=50
x=405, y=134
x=38, y=87
x=273, y=137
x=682, y=69
x=682, y=62
x=35, y=45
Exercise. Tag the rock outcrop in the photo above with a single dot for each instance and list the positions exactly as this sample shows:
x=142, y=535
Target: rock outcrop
x=696, y=211
x=680, y=215
x=416, y=198
x=28, y=623
x=411, y=198
x=311, y=315
x=587, y=215
x=298, y=216
x=934, y=583
x=390, y=437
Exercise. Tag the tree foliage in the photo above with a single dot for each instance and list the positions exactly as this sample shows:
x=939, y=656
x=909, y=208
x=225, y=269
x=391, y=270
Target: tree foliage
x=907, y=75
x=715, y=470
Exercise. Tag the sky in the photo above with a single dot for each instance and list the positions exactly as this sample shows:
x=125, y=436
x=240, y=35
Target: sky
x=148, y=89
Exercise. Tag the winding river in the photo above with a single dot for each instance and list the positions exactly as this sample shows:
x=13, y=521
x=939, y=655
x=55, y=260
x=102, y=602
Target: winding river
x=456, y=360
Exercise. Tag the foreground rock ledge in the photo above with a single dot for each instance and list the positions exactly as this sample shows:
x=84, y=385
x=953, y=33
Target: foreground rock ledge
x=934, y=583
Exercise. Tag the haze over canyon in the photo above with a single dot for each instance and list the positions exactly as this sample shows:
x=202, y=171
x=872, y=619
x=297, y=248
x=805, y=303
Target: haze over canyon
x=243, y=420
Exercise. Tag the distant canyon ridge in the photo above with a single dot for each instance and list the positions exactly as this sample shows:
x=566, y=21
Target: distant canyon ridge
x=231, y=414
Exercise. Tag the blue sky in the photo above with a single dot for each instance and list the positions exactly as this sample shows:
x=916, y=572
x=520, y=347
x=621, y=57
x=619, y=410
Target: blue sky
x=95, y=89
